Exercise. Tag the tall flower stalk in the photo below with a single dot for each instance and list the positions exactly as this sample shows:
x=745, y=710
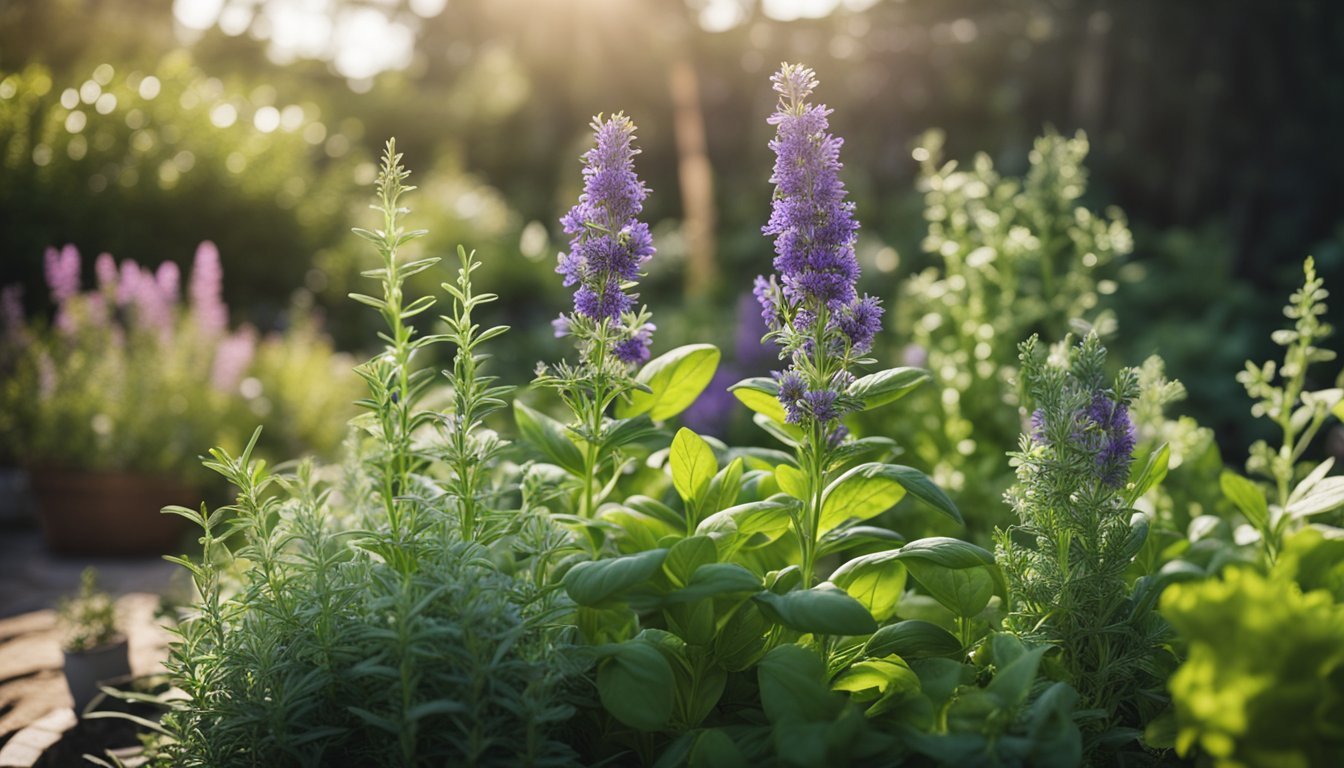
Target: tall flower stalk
x=609, y=246
x=813, y=312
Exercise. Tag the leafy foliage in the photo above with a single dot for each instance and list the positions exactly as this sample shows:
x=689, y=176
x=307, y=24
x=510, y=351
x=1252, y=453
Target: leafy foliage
x=1263, y=681
x=89, y=616
x=1018, y=256
x=398, y=616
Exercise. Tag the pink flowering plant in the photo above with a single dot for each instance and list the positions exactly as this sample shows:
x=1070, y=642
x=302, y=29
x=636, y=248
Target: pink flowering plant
x=135, y=372
x=127, y=375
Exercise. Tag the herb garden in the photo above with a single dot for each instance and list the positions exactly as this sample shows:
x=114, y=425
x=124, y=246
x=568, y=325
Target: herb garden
x=933, y=523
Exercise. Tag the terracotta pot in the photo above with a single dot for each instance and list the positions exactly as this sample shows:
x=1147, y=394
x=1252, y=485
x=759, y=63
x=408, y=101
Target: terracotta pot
x=109, y=513
x=85, y=670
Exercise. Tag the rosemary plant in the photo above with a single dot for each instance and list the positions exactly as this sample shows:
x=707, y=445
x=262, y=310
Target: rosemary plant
x=1066, y=559
x=398, y=641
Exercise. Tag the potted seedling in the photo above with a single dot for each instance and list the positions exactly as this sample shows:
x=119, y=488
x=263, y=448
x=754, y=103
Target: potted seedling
x=95, y=650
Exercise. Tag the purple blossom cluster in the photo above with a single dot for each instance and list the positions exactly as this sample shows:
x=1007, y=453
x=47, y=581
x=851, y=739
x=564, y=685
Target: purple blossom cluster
x=609, y=244
x=1103, y=429
x=814, y=230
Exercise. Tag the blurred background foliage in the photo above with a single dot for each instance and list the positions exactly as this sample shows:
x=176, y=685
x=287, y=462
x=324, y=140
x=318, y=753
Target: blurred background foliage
x=141, y=127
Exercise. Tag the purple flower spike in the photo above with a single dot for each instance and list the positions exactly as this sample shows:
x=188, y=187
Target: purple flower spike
x=609, y=244
x=207, y=279
x=813, y=225
x=813, y=305
x=62, y=272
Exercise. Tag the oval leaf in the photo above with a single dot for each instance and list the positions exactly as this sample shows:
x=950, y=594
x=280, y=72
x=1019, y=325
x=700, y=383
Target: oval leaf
x=675, y=379
x=1247, y=497
x=912, y=639
x=879, y=389
x=594, y=582
x=636, y=685
x=549, y=436
x=877, y=581
x=760, y=394
x=823, y=610
x=693, y=465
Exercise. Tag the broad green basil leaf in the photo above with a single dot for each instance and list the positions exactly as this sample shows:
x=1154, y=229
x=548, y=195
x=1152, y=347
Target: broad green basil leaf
x=675, y=379
x=595, y=581
x=687, y=555
x=912, y=639
x=885, y=682
x=865, y=538
x=769, y=518
x=823, y=610
x=1012, y=682
x=549, y=436
x=715, y=580
x=863, y=492
x=871, y=489
x=1247, y=497
x=760, y=394
x=793, y=686
x=693, y=465
x=947, y=552
x=877, y=581
x=723, y=489
x=636, y=685
x=656, y=508
x=964, y=591
x=883, y=387
x=714, y=749
x=641, y=531
x=741, y=640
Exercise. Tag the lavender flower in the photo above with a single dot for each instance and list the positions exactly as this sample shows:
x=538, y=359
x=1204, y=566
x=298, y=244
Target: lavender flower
x=609, y=244
x=814, y=304
x=1118, y=438
x=813, y=225
x=127, y=283
x=635, y=350
x=153, y=305
x=859, y=322
x=62, y=273
x=1103, y=429
x=207, y=278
